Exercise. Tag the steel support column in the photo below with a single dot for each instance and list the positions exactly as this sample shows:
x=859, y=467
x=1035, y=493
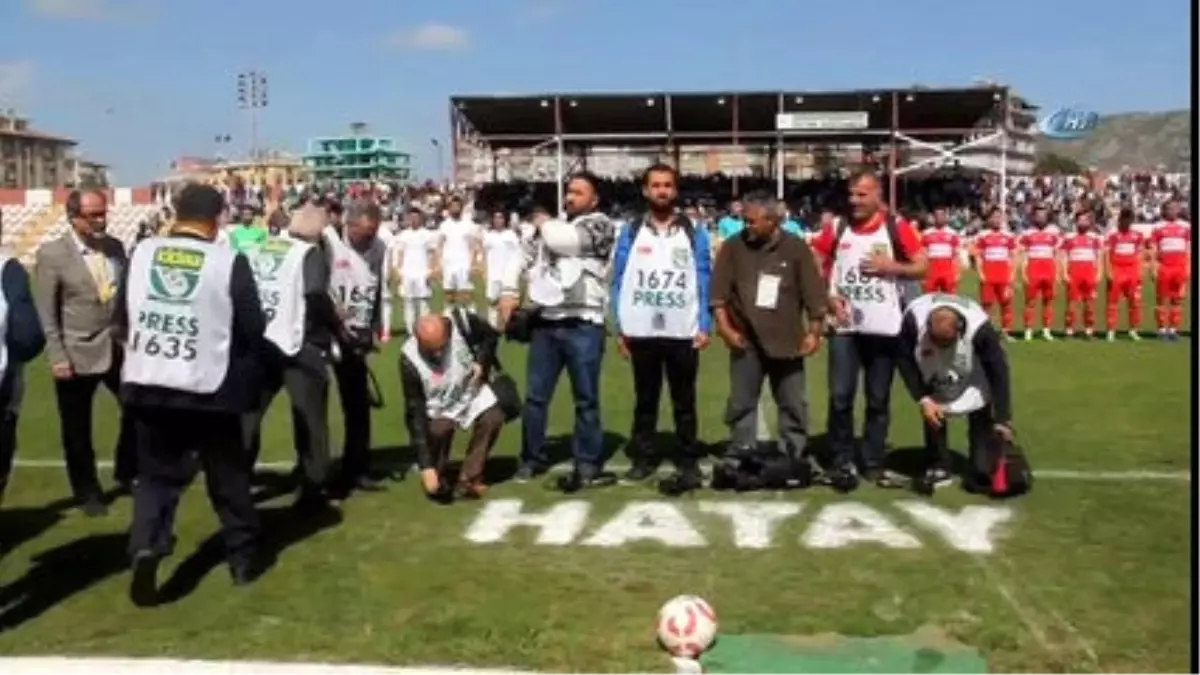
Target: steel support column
x=894, y=124
x=736, y=140
x=558, y=153
x=780, y=152
x=945, y=155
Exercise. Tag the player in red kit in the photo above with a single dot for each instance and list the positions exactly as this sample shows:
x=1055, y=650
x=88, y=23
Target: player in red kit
x=1039, y=271
x=1081, y=259
x=993, y=252
x=1171, y=267
x=942, y=246
x=1123, y=253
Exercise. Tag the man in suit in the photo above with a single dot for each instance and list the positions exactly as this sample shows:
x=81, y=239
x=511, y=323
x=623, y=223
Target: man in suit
x=74, y=286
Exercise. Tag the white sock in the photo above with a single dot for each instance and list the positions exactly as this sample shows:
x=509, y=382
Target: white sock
x=410, y=314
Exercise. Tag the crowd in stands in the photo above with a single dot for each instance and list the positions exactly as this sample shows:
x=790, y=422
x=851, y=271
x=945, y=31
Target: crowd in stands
x=967, y=196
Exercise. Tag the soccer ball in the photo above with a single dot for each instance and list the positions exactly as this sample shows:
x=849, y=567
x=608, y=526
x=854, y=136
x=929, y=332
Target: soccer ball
x=687, y=625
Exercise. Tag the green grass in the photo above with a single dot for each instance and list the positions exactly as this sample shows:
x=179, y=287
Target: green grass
x=1089, y=576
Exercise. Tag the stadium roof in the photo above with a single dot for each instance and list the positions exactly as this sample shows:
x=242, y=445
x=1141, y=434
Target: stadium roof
x=711, y=118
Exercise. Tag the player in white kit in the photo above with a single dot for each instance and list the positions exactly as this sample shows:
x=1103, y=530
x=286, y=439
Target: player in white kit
x=501, y=244
x=412, y=256
x=458, y=254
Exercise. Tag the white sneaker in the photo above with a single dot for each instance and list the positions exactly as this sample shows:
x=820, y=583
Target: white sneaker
x=1047, y=335
x=1028, y=335
x=1089, y=334
x=1112, y=336
x=1133, y=335
x=1069, y=333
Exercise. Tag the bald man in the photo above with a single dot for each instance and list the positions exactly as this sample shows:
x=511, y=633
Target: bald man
x=445, y=368
x=952, y=362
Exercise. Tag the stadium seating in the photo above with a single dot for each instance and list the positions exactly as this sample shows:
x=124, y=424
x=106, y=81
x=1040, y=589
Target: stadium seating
x=35, y=216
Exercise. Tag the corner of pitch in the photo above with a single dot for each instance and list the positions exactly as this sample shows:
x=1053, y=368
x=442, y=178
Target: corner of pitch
x=744, y=524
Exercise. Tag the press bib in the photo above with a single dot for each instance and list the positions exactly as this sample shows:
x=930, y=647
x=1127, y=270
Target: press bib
x=874, y=301
x=180, y=315
x=958, y=382
x=449, y=393
x=659, y=297
x=279, y=272
x=352, y=283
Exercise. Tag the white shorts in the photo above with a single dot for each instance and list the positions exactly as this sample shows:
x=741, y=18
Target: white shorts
x=414, y=287
x=457, y=279
x=492, y=292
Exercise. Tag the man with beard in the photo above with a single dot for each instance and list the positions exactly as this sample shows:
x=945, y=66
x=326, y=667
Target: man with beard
x=357, y=282
x=1124, y=251
x=566, y=262
x=660, y=279
x=993, y=251
x=1039, y=270
x=953, y=364
x=413, y=255
x=1081, y=268
x=500, y=244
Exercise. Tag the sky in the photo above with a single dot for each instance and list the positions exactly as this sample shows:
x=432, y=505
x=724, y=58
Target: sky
x=141, y=82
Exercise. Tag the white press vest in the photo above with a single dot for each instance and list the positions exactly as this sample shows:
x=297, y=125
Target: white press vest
x=279, y=272
x=874, y=301
x=448, y=391
x=180, y=314
x=4, y=258
x=659, y=294
x=352, y=283
x=956, y=376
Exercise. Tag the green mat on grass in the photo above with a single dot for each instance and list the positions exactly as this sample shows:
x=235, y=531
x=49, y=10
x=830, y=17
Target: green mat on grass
x=926, y=651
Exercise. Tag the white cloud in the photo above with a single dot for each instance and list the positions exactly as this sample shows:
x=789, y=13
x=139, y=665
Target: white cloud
x=431, y=37
x=16, y=81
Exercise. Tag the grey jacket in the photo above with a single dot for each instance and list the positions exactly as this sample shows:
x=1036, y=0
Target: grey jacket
x=74, y=318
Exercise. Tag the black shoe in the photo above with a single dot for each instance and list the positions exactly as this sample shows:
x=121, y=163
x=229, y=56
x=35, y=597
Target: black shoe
x=311, y=500
x=528, y=472
x=842, y=479
x=684, y=480
x=367, y=483
x=580, y=479
x=246, y=571
x=143, y=587
x=93, y=506
x=640, y=471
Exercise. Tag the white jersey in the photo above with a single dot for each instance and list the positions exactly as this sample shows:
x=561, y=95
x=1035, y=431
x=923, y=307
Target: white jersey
x=449, y=391
x=457, y=238
x=874, y=301
x=659, y=297
x=352, y=283
x=956, y=376
x=500, y=249
x=413, y=248
x=180, y=315
x=279, y=272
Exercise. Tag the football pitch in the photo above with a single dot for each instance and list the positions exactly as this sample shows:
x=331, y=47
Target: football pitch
x=1089, y=572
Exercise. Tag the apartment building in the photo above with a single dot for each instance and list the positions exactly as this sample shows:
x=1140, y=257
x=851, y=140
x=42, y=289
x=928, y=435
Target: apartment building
x=32, y=159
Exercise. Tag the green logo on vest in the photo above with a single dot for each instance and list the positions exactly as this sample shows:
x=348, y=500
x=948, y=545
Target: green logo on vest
x=266, y=263
x=681, y=258
x=175, y=274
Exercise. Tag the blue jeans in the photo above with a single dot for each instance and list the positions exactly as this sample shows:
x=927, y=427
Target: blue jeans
x=875, y=357
x=578, y=347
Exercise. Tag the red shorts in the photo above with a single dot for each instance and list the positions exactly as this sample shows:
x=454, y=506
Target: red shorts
x=1172, y=283
x=990, y=294
x=1125, y=285
x=1040, y=288
x=1081, y=289
x=941, y=283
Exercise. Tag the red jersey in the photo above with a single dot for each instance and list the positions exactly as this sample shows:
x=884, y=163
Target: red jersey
x=996, y=250
x=1125, y=249
x=1083, y=253
x=1172, y=242
x=1041, y=250
x=906, y=233
x=941, y=247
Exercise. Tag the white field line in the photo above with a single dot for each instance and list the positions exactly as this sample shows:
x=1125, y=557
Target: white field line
x=1094, y=476
x=106, y=666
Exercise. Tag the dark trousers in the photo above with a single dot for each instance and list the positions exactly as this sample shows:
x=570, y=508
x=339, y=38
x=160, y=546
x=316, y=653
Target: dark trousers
x=577, y=346
x=76, y=396
x=484, y=432
x=12, y=388
x=747, y=370
x=169, y=442
x=874, y=356
x=678, y=362
x=305, y=376
x=980, y=425
x=352, y=382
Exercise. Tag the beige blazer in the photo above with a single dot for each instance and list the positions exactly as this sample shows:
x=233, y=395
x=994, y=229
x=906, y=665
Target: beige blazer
x=76, y=322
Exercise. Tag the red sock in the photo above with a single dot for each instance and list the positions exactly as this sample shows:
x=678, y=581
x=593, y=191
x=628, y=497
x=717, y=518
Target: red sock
x=1110, y=313
x=1135, y=314
x=1069, y=321
x=1027, y=317
x=1160, y=316
x=1047, y=314
x=1089, y=316
x=1006, y=316
x=1176, y=316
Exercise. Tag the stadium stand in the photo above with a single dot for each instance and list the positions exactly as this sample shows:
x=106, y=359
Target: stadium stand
x=30, y=217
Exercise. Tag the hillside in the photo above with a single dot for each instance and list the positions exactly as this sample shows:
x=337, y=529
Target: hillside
x=1140, y=140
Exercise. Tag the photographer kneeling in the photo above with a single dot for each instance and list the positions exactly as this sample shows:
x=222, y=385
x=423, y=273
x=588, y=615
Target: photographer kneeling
x=952, y=363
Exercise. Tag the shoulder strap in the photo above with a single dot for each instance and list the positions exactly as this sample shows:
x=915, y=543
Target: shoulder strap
x=463, y=323
x=893, y=230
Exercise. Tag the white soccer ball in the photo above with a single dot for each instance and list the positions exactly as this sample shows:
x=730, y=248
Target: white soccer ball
x=687, y=626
